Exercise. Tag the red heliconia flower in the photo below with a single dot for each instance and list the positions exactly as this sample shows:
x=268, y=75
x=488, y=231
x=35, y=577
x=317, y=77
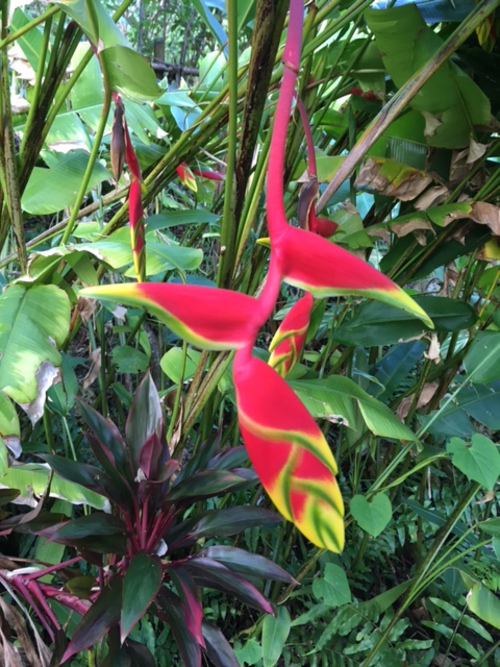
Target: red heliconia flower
x=324, y=269
x=186, y=175
x=289, y=452
x=213, y=319
x=289, y=340
x=137, y=231
x=211, y=175
x=307, y=214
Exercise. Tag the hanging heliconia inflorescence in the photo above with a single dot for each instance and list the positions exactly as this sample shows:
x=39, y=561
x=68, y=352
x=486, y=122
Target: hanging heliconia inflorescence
x=286, y=446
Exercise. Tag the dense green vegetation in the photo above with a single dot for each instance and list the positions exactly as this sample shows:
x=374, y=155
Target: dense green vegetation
x=133, y=528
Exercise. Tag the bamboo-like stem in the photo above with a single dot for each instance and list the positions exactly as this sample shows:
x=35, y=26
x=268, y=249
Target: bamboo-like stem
x=10, y=178
x=93, y=155
x=404, y=95
x=228, y=226
x=14, y=36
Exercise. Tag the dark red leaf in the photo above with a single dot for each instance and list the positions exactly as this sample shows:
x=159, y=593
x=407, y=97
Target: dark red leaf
x=172, y=612
x=211, y=574
x=102, y=615
x=217, y=647
x=246, y=563
x=188, y=592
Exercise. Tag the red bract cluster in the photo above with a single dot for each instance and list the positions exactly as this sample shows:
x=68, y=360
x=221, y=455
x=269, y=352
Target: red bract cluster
x=122, y=151
x=286, y=447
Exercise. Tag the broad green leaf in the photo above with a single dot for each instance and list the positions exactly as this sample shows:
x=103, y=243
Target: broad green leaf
x=392, y=370
x=250, y=653
x=212, y=68
x=485, y=604
x=477, y=401
x=275, y=631
x=140, y=585
x=491, y=526
x=482, y=361
x=175, y=218
x=173, y=363
x=129, y=359
x=32, y=479
x=30, y=42
x=68, y=133
x=332, y=589
x=338, y=399
x=372, y=515
x=88, y=90
x=479, y=462
x=129, y=73
x=116, y=252
x=9, y=421
x=33, y=323
x=381, y=324
x=51, y=190
x=454, y=104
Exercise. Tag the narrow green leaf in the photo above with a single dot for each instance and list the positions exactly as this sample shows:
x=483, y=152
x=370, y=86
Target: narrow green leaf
x=141, y=583
x=275, y=631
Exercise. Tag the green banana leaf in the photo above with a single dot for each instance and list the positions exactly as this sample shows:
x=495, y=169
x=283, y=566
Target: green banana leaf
x=450, y=101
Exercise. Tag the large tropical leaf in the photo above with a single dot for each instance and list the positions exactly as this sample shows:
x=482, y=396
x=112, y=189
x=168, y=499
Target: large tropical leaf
x=33, y=323
x=128, y=72
x=53, y=189
x=341, y=400
x=452, y=103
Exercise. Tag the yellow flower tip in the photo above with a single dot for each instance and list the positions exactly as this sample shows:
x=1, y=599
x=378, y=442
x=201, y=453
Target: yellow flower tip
x=265, y=241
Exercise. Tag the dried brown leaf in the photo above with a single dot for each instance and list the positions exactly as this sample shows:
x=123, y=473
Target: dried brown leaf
x=432, y=197
x=34, y=657
x=380, y=232
x=392, y=179
x=86, y=308
x=94, y=369
x=434, y=351
x=428, y=391
x=488, y=497
x=46, y=375
x=432, y=123
x=486, y=214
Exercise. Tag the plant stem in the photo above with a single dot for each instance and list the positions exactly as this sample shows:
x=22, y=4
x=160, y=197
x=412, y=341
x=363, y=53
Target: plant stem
x=10, y=175
x=228, y=226
x=14, y=36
